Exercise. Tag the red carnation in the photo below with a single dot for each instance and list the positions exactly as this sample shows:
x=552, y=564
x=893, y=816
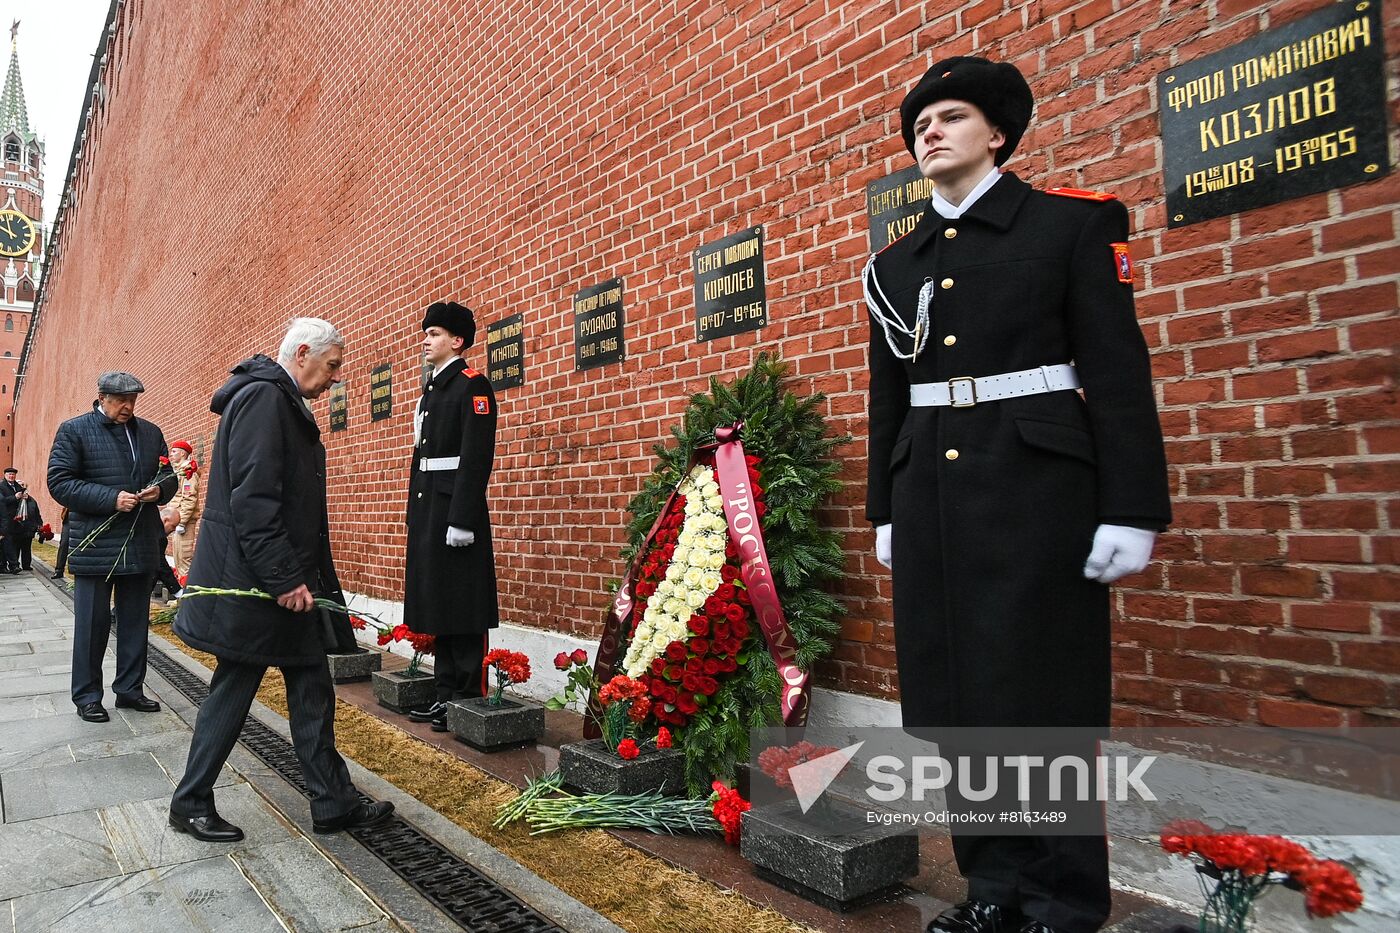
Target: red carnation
x=357, y=623
x=385, y=637
x=561, y=661
x=663, y=737
x=1330, y=889
x=627, y=749
x=729, y=808
x=639, y=709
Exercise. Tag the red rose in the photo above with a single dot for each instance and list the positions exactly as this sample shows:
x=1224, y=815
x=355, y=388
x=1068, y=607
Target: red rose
x=687, y=705
x=699, y=646
x=712, y=666
x=671, y=695
x=708, y=686
x=729, y=573
x=725, y=592
x=561, y=661
x=714, y=606
x=751, y=460
x=742, y=598
x=730, y=665
x=691, y=682
x=722, y=631
x=733, y=612
x=760, y=508
x=740, y=629
x=657, y=687
x=731, y=550
x=658, y=665
x=663, y=737
x=579, y=656
x=693, y=665
x=627, y=749
x=733, y=646
x=673, y=672
x=675, y=651
x=700, y=625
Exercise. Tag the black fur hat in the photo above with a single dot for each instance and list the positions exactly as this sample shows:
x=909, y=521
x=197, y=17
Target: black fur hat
x=452, y=317
x=996, y=88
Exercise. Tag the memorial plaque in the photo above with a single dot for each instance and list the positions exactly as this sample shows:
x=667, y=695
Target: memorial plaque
x=1286, y=113
x=894, y=204
x=381, y=393
x=598, y=324
x=505, y=352
x=730, y=289
x=340, y=407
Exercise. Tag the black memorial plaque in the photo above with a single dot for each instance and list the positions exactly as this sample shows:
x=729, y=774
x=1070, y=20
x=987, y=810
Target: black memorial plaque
x=505, y=352
x=894, y=204
x=340, y=407
x=598, y=324
x=1286, y=113
x=381, y=393
x=730, y=288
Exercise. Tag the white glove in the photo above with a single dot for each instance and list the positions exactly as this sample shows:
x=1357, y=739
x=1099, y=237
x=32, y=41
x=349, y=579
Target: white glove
x=179, y=529
x=884, y=551
x=459, y=537
x=1118, y=551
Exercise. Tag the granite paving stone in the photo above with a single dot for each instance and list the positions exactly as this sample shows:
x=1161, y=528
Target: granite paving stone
x=24, y=684
x=299, y=881
x=82, y=785
x=70, y=848
x=22, y=737
x=34, y=707
x=210, y=896
x=28, y=660
x=143, y=838
x=11, y=649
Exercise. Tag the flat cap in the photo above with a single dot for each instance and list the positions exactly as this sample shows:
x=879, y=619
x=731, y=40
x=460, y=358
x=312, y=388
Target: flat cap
x=456, y=319
x=995, y=88
x=119, y=383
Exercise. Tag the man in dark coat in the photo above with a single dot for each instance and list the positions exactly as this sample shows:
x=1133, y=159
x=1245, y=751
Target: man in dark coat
x=12, y=492
x=266, y=528
x=1004, y=500
x=24, y=525
x=450, y=586
x=108, y=461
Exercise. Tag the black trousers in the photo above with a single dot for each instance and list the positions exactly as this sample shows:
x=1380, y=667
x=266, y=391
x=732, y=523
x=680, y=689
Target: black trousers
x=61, y=561
x=1059, y=880
x=96, y=602
x=12, y=553
x=457, y=665
x=311, y=708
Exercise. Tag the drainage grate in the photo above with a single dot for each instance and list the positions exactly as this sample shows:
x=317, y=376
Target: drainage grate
x=471, y=899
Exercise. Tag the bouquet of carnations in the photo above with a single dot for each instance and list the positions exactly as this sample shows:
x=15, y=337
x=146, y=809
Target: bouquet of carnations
x=1243, y=867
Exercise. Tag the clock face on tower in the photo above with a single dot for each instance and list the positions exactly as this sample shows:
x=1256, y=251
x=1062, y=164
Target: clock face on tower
x=17, y=233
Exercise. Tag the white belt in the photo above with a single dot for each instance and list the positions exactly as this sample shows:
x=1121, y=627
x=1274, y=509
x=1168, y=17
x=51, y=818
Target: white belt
x=965, y=391
x=434, y=464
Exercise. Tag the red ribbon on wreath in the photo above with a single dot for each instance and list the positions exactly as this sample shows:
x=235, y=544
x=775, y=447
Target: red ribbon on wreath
x=746, y=533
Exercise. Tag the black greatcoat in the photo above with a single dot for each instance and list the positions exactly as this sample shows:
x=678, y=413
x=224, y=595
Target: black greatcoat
x=995, y=624
x=264, y=527
x=452, y=590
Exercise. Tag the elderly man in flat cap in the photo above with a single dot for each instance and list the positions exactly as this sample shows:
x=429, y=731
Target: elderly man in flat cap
x=103, y=462
x=450, y=585
x=1005, y=501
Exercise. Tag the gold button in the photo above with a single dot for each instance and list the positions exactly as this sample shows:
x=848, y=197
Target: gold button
x=949, y=340
x=946, y=283
x=951, y=454
x=950, y=233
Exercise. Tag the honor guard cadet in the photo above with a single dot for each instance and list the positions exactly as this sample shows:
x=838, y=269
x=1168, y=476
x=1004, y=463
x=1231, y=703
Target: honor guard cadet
x=450, y=590
x=1003, y=499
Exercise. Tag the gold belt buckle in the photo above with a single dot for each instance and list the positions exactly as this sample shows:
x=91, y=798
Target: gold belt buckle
x=971, y=392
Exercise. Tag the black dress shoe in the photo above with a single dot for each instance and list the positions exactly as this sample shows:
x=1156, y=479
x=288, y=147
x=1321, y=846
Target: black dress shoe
x=93, y=712
x=1038, y=926
x=364, y=814
x=140, y=703
x=434, y=713
x=57, y=576
x=211, y=828
x=974, y=916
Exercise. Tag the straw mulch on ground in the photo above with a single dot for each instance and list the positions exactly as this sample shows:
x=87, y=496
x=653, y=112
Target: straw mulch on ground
x=634, y=890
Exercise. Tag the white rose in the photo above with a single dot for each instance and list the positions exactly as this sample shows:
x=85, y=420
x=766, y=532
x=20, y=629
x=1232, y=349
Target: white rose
x=698, y=558
x=714, y=504
x=674, y=571
x=710, y=582
x=710, y=490
x=686, y=539
x=679, y=555
x=695, y=599
x=660, y=640
x=693, y=506
x=716, y=560
x=692, y=577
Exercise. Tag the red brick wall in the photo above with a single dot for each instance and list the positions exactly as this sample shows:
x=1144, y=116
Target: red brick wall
x=359, y=159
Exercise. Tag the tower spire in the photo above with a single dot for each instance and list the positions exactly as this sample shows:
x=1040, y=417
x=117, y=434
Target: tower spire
x=14, y=115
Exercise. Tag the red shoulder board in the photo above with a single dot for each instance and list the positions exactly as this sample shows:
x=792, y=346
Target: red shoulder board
x=1082, y=195
x=469, y=372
